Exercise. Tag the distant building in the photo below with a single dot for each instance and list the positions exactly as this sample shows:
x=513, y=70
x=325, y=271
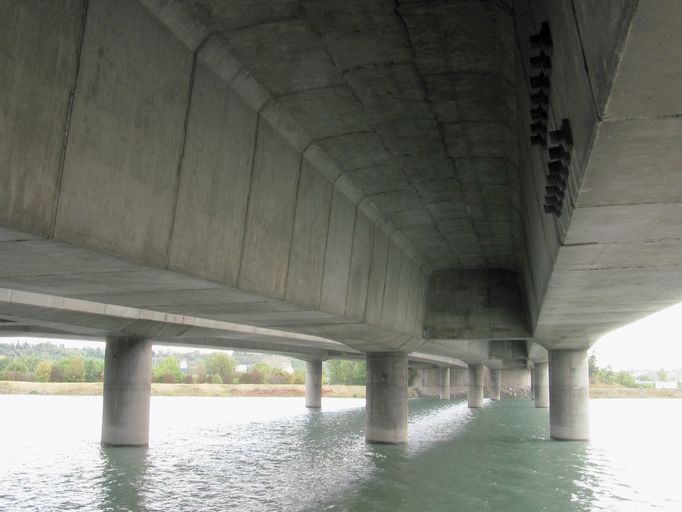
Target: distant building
x=184, y=367
x=242, y=368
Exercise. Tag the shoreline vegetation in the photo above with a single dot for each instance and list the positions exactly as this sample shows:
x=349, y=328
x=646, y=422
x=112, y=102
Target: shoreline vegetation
x=270, y=390
x=160, y=389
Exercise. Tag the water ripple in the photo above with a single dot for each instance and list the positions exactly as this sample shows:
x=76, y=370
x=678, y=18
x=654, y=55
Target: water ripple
x=261, y=454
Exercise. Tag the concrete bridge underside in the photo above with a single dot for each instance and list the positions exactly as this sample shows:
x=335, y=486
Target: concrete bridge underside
x=341, y=179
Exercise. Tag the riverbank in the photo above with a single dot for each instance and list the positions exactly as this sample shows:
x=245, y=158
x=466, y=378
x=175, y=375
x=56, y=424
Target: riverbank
x=95, y=388
x=614, y=392
x=271, y=390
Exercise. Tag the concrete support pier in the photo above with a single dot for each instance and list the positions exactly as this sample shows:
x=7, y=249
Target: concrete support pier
x=444, y=374
x=127, y=386
x=313, y=384
x=541, y=379
x=386, y=405
x=569, y=388
x=495, y=378
x=475, y=385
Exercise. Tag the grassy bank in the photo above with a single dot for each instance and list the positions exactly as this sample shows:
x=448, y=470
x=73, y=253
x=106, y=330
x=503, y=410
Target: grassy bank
x=618, y=392
x=95, y=388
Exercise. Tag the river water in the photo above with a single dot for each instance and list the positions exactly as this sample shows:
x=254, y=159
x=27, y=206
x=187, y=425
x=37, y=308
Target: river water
x=270, y=454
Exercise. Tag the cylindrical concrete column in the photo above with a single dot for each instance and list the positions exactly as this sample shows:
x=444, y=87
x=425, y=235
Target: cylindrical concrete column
x=495, y=384
x=386, y=403
x=569, y=399
x=313, y=384
x=541, y=379
x=127, y=386
x=532, y=384
x=444, y=374
x=475, y=385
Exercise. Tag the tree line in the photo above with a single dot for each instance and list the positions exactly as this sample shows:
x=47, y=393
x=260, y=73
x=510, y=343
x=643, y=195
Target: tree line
x=46, y=362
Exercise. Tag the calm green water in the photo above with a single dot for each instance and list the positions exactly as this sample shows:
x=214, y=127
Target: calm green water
x=270, y=454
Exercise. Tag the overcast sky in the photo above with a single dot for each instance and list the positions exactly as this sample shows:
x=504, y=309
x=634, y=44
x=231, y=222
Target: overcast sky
x=651, y=343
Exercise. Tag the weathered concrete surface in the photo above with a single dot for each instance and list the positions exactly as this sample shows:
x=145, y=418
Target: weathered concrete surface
x=313, y=384
x=305, y=167
x=475, y=394
x=495, y=383
x=541, y=384
x=125, y=135
x=127, y=388
x=214, y=181
x=444, y=383
x=386, y=406
x=569, y=395
x=613, y=256
x=475, y=304
x=187, y=164
x=38, y=63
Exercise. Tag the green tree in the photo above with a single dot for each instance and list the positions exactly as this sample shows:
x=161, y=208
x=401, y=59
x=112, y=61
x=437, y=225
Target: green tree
x=168, y=371
x=346, y=372
x=16, y=369
x=216, y=379
x=298, y=377
x=625, y=379
x=220, y=364
x=43, y=371
x=593, y=368
x=94, y=370
x=662, y=375
x=74, y=369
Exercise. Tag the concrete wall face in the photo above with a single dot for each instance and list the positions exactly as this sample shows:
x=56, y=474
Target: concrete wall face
x=361, y=258
x=270, y=216
x=338, y=255
x=176, y=158
x=214, y=181
x=474, y=304
x=38, y=62
x=125, y=135
x=310, y=237
x=390, y=302
x=377, y=277
x=587, y=36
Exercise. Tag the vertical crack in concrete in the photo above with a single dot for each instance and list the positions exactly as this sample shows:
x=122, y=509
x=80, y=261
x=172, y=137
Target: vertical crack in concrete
x=293, y=223
x=369, y=272
x=247, y=206
x=350, y=259
x=584, y=57
x=67, y=121
x=181, y=158
x=326, y=239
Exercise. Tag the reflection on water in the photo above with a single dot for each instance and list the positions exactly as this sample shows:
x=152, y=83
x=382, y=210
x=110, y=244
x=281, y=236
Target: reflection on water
x=271, y=454
x=123, y=474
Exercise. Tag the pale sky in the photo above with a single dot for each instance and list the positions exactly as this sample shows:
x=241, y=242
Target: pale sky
x=650, y=343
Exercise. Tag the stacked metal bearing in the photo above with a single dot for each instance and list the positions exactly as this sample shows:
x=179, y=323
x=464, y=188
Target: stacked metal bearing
x=561, y=140
x=541, y=67
x=557, y=167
